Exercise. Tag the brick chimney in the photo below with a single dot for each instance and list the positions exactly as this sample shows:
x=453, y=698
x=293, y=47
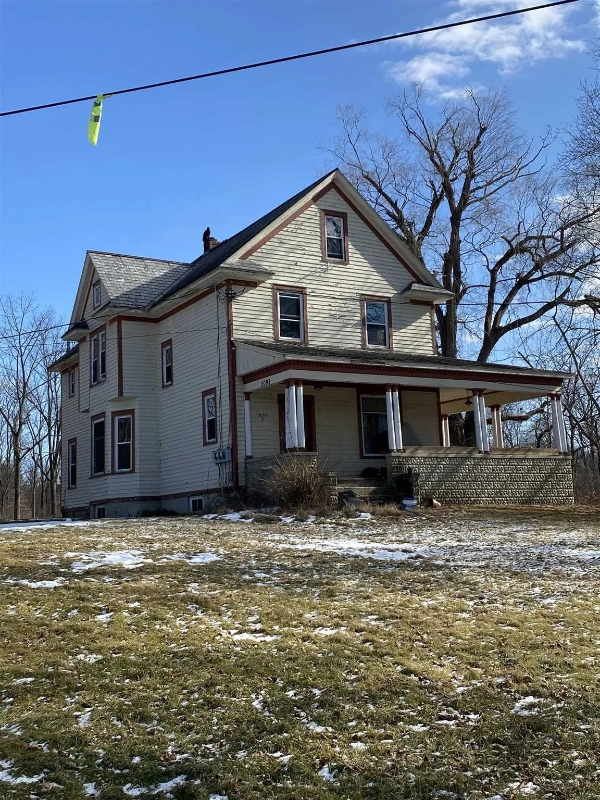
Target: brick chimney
x=209, y=241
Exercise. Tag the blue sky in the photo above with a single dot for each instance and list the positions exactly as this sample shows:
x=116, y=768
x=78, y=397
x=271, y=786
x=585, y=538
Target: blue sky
x=221, y=152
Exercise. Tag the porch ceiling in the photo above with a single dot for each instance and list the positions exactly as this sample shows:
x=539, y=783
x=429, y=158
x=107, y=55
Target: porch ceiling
x=262, y=364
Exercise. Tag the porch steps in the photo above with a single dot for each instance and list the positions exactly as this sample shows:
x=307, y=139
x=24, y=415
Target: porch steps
x=373, y=491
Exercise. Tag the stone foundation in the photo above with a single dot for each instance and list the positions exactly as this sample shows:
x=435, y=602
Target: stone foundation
x=465, y=477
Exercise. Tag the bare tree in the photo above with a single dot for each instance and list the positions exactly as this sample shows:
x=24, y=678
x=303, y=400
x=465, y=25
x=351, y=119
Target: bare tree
x=29, y=406
x=471, y=197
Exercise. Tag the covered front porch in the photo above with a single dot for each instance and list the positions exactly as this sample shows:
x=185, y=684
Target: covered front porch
x=377, y=416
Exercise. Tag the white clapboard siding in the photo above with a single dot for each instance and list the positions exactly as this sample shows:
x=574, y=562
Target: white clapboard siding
x=199, y=336
x=333, y=290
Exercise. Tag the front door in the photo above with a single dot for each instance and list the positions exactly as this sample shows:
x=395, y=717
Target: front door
x=310, y=431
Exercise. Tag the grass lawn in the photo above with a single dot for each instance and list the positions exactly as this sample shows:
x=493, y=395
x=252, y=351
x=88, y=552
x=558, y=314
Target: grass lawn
x=448, y=654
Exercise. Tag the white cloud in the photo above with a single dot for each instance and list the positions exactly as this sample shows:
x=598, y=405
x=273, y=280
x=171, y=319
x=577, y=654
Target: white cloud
x=446, y=58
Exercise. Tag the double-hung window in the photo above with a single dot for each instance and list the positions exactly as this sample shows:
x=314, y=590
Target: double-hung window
x=291, y=315
x=209, y=409
x=72, y=463
x=335, y=236
x=98, y=445
x=98, y=357
x=374, y=425
x=71, y=379
x=376, y=323
x=123, y=441
x=167, y=363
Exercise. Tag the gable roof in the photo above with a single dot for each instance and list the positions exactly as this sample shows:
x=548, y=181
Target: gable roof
x=209, y=261
x=134, y=281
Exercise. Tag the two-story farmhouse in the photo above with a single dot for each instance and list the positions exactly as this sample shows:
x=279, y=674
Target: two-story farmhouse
x=309, y=333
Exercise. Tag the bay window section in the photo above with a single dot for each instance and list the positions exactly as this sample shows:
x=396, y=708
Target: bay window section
x=123, y=441
x=98, y=357
x=98, y=445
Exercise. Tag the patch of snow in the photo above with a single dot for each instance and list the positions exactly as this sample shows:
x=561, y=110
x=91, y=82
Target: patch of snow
x=90, y=790
x=44, y=523
x=128, y=559
x=364, y=515
x=89, y=658
x=327, y=773
x=218, y=797
x=6, y=775
x=133, y=791
x=168, y=785
x=358, y=745
x=253, y=637
x=84, y=719
x=527, y=706
x=196, y=558
x=37, y=584
x=105, y=616
x=21, y=681
x=328, y=631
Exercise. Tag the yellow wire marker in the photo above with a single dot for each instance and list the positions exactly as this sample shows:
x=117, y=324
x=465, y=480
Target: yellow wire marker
x=94, y=123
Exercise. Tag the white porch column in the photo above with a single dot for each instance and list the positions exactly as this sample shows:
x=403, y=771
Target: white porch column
x=300, y=416
x=497, y=427
x=485, y=439
x=445, y=431
x=397, y=418
x=477, y=420
x=556, y=433
x=559, y=431
x=291, y=422
x=247, y=425
x=561, y=424
x=389, y=407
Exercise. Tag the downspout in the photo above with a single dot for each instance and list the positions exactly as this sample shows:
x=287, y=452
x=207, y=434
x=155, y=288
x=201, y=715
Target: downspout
x=231, y=369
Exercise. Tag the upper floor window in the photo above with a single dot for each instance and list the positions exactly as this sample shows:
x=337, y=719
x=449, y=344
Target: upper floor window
x=72, y=463
x=209, y=408
x=291, y=314
x=71, y=379
x=98, y=357
x=167, y=362
x=376, y=318
x=123, y=441
x=96, y=294
x=98, y=445
x=335, y=236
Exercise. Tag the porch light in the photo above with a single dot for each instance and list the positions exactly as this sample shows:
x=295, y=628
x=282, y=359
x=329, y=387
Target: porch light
x=469, y=402
x=317, y=387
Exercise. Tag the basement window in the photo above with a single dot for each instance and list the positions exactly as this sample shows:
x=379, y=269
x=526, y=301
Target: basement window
x=196, y=505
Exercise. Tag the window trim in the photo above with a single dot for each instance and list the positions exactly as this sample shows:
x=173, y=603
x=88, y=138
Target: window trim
x=127, y=412
x=301, y=290
x=97, y=334
x=370, y=391
x=163, y=348
x=70, y=443
x=96, y=285
x=371, y=298
x=207, y=393
x=97, y=418
x=100, y=512
x=344, y=217
x=72, y=388
x=196, y=497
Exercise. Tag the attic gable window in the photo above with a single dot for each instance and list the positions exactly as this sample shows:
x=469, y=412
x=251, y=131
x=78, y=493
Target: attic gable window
x=96, y=294
x=334, y=234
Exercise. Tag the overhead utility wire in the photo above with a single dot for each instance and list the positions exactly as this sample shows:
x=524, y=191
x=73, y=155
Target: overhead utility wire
x=298, y=56
x=345, y=298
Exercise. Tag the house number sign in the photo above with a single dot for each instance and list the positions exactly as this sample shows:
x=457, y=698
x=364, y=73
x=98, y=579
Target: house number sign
x=265, y=382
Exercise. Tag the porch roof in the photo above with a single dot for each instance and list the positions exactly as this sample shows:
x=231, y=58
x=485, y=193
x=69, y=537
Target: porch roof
x=260, y=364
